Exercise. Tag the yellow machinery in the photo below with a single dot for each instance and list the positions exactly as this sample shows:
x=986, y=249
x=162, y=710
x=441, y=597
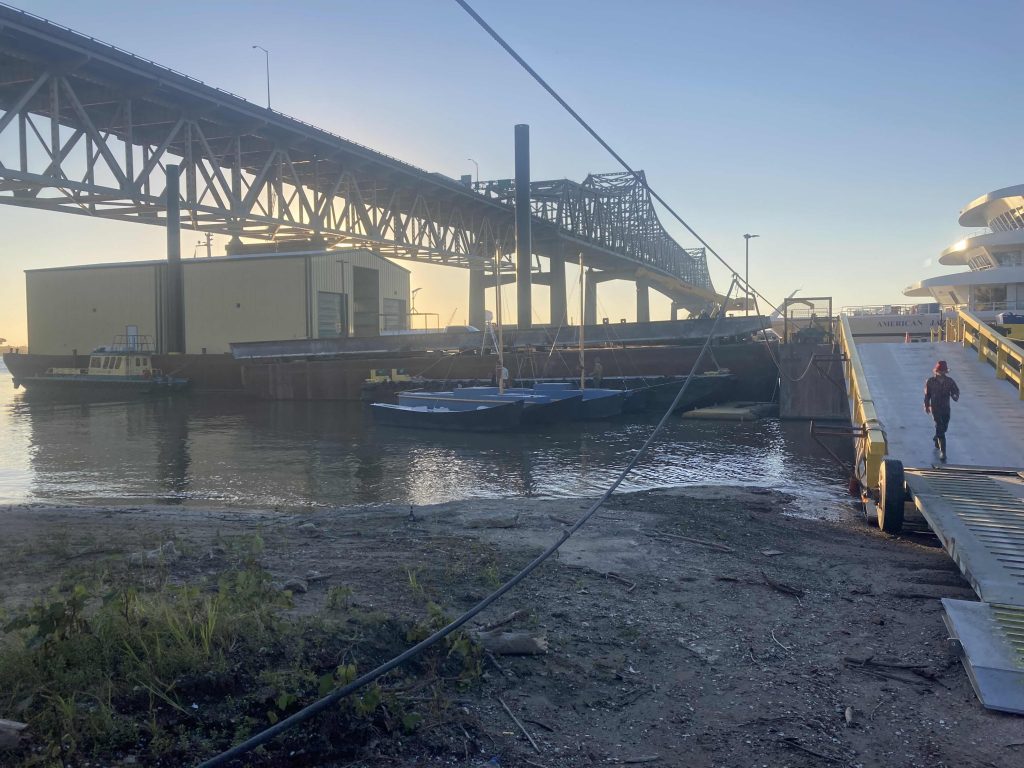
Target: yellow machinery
x=385, y=375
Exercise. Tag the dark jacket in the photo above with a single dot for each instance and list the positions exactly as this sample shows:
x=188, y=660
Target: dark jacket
x=937, y=392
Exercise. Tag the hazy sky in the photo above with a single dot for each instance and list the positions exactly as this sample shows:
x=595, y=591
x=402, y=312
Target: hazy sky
x=848, y=135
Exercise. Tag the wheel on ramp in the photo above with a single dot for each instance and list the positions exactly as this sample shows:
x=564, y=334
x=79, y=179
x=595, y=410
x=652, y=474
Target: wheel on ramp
x=891, y=495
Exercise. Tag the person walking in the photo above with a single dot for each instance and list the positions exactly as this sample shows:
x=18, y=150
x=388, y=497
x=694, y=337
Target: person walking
x=938, y=391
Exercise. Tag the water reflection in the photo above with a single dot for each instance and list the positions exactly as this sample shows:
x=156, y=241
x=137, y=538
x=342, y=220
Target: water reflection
x=222, y=449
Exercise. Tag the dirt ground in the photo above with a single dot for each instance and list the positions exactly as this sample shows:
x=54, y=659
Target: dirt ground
x=743, y=650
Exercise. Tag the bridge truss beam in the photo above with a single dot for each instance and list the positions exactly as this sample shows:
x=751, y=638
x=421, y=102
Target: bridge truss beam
x=90, y=129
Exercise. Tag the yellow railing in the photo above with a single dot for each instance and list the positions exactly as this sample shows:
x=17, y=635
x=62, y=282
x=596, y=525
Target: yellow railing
x=1005, y=356
x=871, y=448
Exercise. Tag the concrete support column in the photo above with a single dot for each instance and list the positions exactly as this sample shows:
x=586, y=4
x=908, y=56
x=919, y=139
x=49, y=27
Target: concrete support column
x=557, y=303
x=675, y=311
x=477, y=288
x=590, y=300
x=643, y=302
x=174, y=312
x=524, y=238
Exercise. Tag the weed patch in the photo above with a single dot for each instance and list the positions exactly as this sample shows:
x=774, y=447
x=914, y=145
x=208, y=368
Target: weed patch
x=170, y=674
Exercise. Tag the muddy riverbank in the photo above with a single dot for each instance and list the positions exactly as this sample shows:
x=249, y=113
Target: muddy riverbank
x=699, y=626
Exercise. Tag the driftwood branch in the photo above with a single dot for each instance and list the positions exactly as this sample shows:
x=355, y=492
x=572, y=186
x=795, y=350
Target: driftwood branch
x=621, y=580
x=522, y=727
x=778, y=586
x=512, y=643
x=514, y=616
x=709, y=544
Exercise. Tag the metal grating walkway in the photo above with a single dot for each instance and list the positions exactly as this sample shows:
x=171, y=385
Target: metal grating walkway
x=980, y=521
x=974, y=506
x=979, y=518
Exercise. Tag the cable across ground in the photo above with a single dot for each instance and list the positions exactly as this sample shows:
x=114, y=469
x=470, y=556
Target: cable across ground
x=340, y=693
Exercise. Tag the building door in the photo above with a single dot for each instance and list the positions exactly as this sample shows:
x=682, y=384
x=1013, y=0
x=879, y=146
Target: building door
x=331, y=315
x=394, y=315
x=366, y=301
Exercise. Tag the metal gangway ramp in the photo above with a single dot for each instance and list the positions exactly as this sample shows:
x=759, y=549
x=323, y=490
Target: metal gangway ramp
x=975, y=502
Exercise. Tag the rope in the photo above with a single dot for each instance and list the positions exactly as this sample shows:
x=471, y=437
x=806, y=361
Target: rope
x=586, y=126
x=340, y=693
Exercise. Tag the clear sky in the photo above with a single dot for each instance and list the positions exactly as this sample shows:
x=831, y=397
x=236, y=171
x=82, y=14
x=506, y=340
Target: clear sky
x=848, y=135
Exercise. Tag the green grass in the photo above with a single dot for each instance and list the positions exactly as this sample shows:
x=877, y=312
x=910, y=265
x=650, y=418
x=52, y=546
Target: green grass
x=173, y=673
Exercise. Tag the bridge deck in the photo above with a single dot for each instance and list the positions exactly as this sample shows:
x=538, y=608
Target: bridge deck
x=976, y=512
x=987, y=425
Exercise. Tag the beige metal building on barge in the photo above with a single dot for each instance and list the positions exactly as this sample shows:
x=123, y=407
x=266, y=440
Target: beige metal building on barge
x=276, y=296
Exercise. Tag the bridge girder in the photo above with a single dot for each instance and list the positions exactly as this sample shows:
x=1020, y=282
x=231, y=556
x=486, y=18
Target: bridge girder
x=89, y=129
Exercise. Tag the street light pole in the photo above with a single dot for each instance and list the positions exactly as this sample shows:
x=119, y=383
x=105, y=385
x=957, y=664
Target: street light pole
x=746, y=276
x=477, y=166
x=266, y=54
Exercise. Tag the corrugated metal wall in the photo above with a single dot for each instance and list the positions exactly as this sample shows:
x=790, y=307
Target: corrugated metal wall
x=243, y=299
x=332, y=272
x=226, y=299
x=81, y=309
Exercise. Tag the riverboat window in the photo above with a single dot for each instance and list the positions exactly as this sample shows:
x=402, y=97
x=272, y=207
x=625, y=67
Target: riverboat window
x=106, y=363
x=96, y=362
x=117, y=363
x=138, y=361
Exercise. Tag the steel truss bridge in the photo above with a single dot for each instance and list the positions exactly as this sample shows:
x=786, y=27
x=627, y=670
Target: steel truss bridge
x=88, y=128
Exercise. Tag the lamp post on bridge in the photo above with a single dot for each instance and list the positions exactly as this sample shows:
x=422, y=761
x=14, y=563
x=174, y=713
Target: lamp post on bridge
x=476, y=165
x=266, y=54
x=746, y=275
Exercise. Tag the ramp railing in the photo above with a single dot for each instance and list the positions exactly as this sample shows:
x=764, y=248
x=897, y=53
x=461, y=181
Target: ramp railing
x=871, y=446
x=1006, y=357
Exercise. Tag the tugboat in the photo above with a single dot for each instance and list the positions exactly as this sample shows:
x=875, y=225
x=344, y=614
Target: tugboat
x=122, y=369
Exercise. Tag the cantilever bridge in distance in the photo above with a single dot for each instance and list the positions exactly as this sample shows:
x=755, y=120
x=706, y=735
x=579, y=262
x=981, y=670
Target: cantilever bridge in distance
x=88, y=128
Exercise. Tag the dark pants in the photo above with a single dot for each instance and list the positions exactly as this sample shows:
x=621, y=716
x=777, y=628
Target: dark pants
x=941, y=425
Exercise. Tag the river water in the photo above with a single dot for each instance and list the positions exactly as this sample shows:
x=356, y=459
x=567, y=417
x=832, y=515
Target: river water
x=234, y=451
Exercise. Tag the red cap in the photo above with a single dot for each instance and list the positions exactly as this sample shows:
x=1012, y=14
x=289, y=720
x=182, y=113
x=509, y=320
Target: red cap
x=941, y=367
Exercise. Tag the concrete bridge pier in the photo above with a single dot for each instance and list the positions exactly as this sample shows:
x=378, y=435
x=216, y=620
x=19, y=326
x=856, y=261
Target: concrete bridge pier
x=557, y=300
x=675, y=311
x=590, y=299
x=477, y=293
x=643, y=302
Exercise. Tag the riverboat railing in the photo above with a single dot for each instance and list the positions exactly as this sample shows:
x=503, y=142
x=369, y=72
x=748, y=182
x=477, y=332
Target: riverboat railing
x=870, y=310
x=872, y=446
x=1005, y=356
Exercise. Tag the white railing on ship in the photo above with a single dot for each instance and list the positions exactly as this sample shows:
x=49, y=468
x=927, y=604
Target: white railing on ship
x=891, y=309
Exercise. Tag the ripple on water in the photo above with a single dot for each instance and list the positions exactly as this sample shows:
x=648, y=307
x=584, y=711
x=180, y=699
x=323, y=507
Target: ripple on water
x=235, y=451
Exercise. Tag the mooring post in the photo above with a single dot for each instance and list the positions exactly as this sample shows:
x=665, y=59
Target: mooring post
x=174, y=306
x=524, y=244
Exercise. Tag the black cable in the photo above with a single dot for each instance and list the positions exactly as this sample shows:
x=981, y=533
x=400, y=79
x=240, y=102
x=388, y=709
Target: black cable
x=586, y=126
x=337, y=695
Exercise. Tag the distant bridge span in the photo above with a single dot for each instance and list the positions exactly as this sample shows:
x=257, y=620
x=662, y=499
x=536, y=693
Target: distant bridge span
x=88, y=128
